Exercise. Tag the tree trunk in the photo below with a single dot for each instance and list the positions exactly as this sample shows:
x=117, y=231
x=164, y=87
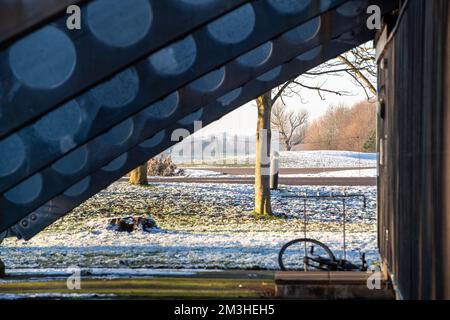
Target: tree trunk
x=287, y=146
x=139, y=175
x=262, y=162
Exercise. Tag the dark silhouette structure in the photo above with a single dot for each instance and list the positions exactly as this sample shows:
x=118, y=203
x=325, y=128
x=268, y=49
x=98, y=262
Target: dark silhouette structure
x=414, y=206
x=81, y=108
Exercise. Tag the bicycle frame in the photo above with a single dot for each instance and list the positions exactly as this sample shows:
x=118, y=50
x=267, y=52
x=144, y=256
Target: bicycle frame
x=344, y=197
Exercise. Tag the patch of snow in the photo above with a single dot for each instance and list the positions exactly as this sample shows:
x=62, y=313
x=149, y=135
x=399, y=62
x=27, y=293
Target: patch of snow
x=206, y=226
x=310, y=159
x=185, y=250
x=336, y=174
x=27, y=296
x=102, y=272
x=193, y=173
x=330, y=159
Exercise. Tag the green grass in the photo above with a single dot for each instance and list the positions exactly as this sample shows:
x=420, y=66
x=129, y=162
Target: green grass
x=156, y=288
x=267, y=217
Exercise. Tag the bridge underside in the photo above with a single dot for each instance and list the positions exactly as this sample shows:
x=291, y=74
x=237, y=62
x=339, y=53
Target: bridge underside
x=79, y=109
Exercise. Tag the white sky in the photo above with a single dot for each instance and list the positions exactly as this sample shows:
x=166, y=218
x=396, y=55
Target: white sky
x=243, y=120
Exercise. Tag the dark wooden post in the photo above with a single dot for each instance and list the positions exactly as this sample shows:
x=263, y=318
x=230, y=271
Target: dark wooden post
x=274, y=171
x=2, y=269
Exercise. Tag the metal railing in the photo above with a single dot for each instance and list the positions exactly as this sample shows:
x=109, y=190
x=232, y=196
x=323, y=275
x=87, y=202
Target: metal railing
x=343, y=197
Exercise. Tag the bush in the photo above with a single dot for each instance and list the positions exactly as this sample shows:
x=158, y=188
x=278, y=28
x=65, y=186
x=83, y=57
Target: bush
x=371, y=143
x=163, y=166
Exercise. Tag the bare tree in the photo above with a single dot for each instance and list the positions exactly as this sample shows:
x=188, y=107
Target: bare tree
x=291, y=125
x=358, y=63
x=263, y=206
x=326, y=132
x=362, y=67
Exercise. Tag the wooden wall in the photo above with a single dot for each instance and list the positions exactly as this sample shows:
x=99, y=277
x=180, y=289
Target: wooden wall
x=413, y=124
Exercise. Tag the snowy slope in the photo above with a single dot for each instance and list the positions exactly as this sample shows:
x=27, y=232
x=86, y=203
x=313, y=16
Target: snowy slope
x=336, y=174
x=330, y=159
x=201, y=226
x=308, y=159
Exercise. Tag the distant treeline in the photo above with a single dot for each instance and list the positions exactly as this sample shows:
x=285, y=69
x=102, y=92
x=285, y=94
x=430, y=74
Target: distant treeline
x=344, y=128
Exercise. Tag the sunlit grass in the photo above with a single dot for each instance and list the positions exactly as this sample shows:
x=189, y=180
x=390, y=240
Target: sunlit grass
x=186, y=288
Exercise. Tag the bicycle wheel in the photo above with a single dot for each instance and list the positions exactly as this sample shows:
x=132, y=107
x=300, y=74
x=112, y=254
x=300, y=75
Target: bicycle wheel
x=306, y=255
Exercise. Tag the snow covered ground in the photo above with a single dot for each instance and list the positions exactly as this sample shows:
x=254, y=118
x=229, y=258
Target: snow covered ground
x=330, y=159
x=200, y=226
x=194, y=173
x=337, y=174
x=55, y=296
x=310, y=159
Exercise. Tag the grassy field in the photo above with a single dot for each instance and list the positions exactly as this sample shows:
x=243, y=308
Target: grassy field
x=200, y=227
x=224, y=286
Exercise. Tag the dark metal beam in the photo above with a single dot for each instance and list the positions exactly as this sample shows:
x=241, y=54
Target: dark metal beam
x=53, y=65
x=76, y=165
x=76, y=119
x=20, y=16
